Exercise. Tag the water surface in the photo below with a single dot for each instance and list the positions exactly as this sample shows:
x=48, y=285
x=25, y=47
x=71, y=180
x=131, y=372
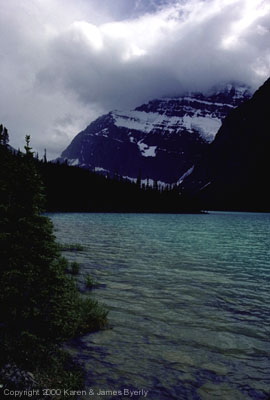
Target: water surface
x=189, y=303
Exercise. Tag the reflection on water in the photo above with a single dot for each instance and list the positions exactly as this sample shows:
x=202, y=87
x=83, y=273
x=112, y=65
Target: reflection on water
x=189, y=304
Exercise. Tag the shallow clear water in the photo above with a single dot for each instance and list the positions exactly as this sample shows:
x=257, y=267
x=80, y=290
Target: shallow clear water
x=189, y=303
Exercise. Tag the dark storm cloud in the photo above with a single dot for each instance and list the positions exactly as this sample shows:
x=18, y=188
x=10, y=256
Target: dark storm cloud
x=63, y=63
x=121, y=64
x=129, y=9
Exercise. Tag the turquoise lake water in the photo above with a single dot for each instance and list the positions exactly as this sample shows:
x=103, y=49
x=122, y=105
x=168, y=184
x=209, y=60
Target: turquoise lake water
x=188, y=299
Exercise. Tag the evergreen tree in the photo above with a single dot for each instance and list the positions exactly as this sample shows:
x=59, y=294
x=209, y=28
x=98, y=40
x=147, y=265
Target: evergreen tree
x=45, y=156
x=1, y=134
x=27, y=147
x=4, y=137
x=139, y=179
x=40, y=305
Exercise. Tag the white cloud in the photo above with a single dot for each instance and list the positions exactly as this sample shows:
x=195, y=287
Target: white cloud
x=65, y=62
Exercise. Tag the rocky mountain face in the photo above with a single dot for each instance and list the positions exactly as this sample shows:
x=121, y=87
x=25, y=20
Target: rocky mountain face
x=158, y=141
x=235, y=169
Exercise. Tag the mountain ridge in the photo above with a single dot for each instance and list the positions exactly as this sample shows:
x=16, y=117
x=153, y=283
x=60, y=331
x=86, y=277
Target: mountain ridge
x=234, y=171
x=158, y=141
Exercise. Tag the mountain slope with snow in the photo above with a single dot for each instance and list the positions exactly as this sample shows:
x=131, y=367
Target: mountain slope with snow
x=160, y=140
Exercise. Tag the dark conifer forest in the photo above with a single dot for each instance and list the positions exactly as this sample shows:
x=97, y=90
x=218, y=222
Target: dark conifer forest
x=74, y=189
x=40, y=305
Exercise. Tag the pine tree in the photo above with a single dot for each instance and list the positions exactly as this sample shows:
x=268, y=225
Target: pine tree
x=139, y=179
x=4, y=137
x=27, y=147
x=40, y=305
x=45, y=156
x=1, y=134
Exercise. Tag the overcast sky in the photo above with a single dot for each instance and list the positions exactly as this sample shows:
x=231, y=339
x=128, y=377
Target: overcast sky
x=65, y=62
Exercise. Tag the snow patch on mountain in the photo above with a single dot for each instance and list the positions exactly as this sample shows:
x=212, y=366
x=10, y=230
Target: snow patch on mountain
x=147, y=151
x=187, y=173
x=137, y=120
x=99, y=169
x=148, y=182
x=207, y=126
x=192, y=99
x=146, y=122
x=74, y=161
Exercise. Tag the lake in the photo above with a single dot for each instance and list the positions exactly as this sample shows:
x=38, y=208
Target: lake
x=188, y=299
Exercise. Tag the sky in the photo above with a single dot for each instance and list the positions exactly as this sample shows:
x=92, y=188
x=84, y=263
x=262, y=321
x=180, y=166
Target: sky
x=66, y=62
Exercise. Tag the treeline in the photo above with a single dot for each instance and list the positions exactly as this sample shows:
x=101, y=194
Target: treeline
x=40, y=305
x=74, y=189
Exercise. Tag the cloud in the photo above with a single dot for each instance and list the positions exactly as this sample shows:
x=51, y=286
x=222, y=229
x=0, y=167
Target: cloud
x=65, y=62
x=194, y=45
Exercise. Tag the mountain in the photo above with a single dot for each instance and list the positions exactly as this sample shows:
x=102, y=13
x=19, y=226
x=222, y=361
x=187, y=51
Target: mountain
x=159, y=141
x=235, y=170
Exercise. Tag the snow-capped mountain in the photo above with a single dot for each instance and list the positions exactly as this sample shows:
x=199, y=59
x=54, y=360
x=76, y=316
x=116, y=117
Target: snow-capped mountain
x=158, y=141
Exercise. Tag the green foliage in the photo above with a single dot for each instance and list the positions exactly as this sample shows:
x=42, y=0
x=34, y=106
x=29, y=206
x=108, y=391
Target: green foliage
x=51, y=366
x=60, y=372
x=90, y=282
x=93, y=316
x=74, y=268
x=40, y=305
